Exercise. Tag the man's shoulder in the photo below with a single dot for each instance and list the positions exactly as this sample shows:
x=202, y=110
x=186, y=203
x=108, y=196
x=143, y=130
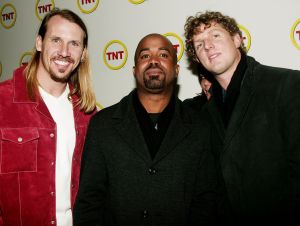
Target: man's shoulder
x=116, y=110
x=268, y=69
x=194, y=110
x=195, y=103
x=6, y=86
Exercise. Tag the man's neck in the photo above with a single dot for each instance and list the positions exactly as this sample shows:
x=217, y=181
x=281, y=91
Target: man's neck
x=50, y=86
x=225, y=78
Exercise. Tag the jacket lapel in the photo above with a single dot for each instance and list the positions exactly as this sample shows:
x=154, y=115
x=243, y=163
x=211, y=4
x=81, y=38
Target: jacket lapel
x=177, y=131
x=128, y=128
x=240, y=109
x=21, y=94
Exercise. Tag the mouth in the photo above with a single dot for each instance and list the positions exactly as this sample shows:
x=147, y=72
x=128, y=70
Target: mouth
x=153, y=72
x=63, y=62
x=211, y=57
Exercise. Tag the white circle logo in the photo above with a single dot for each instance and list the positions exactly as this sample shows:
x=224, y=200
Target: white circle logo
x=177, y=44
x=42, y=7
x=115, y=54
x=295, y=34
x=136, y=1
x=246, y=37
x=8, y=16
x=87, y=6
x=25, y=58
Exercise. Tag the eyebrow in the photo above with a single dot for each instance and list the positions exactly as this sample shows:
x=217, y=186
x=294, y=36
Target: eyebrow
x=73, y=40
x=161, y=48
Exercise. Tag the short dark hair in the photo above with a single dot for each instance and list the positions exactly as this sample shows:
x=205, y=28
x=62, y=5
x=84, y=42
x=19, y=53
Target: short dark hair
x=174, y=54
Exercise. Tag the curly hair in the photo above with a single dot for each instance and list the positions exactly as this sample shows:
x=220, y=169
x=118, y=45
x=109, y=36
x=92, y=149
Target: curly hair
x=207, y=18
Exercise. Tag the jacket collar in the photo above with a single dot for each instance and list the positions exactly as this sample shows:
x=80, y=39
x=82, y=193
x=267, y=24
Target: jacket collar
x=20, y=89
x=21, y=94
x=128, y=128
x=246, y=93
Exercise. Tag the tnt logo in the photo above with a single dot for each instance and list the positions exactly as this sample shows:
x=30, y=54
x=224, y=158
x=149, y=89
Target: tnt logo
x=115, y=55
x=43, y=7
x=295, y=34
x=8, y=16
x=177, y=44
x=87, y=6
x=25, y=58
x=136, y=1
x=246, y=37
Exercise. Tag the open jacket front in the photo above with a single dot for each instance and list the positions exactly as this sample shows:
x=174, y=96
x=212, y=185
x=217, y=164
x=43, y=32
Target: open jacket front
x=27, y=156
x=122, y=185
x=260, y=155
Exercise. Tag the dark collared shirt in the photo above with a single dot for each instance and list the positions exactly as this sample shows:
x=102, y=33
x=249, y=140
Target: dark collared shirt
x=153, y=126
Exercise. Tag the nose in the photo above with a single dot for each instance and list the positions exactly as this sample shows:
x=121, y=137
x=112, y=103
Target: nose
x=208, y=44
x=64, y=50
x=154, y=60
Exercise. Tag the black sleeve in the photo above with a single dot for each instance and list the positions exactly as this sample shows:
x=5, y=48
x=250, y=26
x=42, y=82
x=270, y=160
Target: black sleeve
x=90, y=201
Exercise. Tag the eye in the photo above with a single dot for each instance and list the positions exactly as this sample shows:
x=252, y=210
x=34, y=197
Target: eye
x=75, y=44
x=216, y=35
x=144, y=56
x=55, y=40
x=164, y=55
x=199, y=46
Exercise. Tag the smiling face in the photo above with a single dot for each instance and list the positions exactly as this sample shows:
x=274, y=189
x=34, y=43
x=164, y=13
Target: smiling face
x=156, y=66
x=62, y=49
x=216, y=49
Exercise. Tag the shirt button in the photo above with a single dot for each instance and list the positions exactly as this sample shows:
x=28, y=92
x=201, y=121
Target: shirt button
x=51, y=135
x=152, y=171
x=145, y=214
x=52, y=163
x=52, y=193
x=20, y=139
x=52, y=222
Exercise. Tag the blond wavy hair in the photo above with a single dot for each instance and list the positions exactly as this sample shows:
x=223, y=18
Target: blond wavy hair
x=80, y=78
x=207, y=18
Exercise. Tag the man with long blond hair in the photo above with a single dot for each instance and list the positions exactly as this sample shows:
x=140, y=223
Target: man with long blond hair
x=44, y=112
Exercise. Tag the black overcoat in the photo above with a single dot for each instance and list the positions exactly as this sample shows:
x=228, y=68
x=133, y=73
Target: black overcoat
x=122, y=185
x=260, y=150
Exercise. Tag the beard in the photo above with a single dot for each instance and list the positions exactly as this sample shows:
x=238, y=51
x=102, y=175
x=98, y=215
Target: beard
x=153, y=83
x=61, y=75
x=57, y=78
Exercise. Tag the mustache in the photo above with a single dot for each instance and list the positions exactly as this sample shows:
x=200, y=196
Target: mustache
x=153, y=66
x=68, y=59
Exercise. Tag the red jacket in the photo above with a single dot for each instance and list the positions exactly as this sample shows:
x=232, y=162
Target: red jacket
x=27, y=156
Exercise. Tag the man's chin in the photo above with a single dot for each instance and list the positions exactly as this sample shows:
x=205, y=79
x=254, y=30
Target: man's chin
x=60, y=78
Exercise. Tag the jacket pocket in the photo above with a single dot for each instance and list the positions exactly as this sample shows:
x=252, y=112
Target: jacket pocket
x=19, y=150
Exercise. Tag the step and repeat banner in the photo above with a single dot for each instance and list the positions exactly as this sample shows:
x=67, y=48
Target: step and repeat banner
x=271, y=31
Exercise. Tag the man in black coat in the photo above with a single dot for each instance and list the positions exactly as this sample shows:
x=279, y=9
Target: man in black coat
x=256, y=113
x=147, y=160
